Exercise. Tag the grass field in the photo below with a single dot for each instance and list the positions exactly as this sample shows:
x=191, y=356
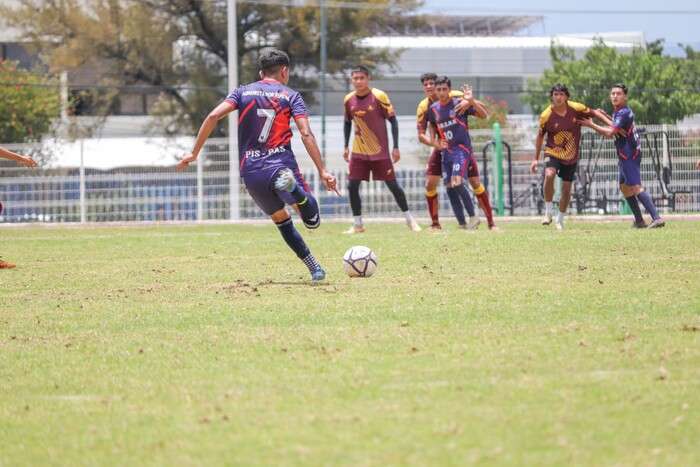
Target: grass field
x=208, y=345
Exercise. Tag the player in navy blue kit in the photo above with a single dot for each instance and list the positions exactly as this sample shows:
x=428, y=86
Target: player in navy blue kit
x=628, y=146
x=458, y=160
x=266, y=161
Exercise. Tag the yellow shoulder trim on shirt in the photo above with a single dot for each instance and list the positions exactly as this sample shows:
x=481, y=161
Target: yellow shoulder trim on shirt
x=381, y=96
x=423, y=107
x=348, y=96
x=544, y=116
x=577, y=106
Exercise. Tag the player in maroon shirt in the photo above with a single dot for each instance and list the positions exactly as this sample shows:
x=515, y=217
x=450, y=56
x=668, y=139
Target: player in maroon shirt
x=369, y=109
x=559, y=123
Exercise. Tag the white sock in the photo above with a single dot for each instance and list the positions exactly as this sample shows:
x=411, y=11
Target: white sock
x=408, y=215
x=358, y=221
x=549, y=208
x=560, y=217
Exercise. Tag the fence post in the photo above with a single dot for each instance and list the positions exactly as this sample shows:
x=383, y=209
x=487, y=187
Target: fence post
x=200, y=186
x=498, y=168
x=83, y=201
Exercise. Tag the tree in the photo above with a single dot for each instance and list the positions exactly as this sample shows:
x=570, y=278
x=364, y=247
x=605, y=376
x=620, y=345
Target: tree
x=29, y=102
x=131, y=43
x=661, y=88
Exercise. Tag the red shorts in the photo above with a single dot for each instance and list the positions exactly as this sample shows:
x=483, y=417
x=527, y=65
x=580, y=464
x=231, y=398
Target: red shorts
x=381, y=169
x=434, y=164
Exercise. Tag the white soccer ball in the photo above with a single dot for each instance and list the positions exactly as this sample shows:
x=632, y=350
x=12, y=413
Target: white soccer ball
x=359, y=261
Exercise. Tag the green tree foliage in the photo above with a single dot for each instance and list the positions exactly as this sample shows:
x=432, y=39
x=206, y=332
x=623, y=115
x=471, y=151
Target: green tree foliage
x=661, y=89
x=180, y=46
x=29, y=104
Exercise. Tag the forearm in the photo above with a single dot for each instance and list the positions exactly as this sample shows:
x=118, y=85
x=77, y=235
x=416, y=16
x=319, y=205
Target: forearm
x=395, y=131
x=7, y=154
x=205, y=130
x=608, y=132
x=603, y=117
x=425, y=139
x=480, y=109
x=538, y=146
x=347, y=128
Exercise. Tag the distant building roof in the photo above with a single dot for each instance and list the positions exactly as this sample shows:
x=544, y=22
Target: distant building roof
x=486, y=42
x=437, y=25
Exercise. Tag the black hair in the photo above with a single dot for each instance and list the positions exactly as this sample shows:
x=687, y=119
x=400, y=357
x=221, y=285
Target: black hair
x=272, y=60
x=428, y=77
x=442, y=80
x=621, y=86
x=359, y=69
x=561, y=88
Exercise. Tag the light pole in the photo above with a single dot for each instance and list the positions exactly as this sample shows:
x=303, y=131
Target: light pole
x=234, y=177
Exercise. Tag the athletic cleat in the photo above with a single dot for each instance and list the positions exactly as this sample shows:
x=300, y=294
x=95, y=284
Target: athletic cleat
x=657, y=223
x=474, y=222
x=355, y=229
x=318, y=275
x=547, y=219
x=493, y=228
x=559, y=225
x=6, y=265
x=285, y=181
x=639, y=225
x=413, y=226
x=435, y=226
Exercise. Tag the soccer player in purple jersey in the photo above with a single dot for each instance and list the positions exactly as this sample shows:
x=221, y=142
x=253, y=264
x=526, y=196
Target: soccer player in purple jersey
x=266, y=161
x=455, y=143
x=27, y=161
x=433, y=172
x=369, y=109
x=629, y=158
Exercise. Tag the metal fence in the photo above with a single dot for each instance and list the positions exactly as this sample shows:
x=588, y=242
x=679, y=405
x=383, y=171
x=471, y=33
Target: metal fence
x=150, y=193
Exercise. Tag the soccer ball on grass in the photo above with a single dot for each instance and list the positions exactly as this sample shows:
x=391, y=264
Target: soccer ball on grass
x=359, y=261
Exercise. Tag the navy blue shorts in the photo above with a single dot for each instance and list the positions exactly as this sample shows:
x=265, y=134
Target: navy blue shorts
x=261, y=187
x=629, y=172
x=460, y=163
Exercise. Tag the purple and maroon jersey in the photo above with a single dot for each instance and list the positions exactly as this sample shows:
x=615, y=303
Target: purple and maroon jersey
x=452, y=126
x=369, y=114
x=423, y=108
x=265, y=109
x=627, y=146
x=563, y=132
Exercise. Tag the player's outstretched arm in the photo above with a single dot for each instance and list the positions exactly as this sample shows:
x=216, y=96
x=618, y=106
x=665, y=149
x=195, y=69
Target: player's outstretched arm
x=480, y=108
x=603, y=116
x=13, y=156
x=608, y=132
x=219, y=112
x=309, y=140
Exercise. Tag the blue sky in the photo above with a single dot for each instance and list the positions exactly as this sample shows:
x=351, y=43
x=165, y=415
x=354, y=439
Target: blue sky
x=673, y=20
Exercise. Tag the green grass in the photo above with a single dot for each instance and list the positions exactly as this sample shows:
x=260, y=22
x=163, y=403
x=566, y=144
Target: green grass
x=208, y=345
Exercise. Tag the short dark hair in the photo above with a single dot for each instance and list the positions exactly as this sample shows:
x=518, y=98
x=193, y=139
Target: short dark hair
x=359, y=69
x=442, y=80
x=561, y=88
x=621, y=86
x=272, y=60
x=427, y=77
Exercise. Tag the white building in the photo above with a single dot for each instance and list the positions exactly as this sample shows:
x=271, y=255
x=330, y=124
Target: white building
x=483, y=51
